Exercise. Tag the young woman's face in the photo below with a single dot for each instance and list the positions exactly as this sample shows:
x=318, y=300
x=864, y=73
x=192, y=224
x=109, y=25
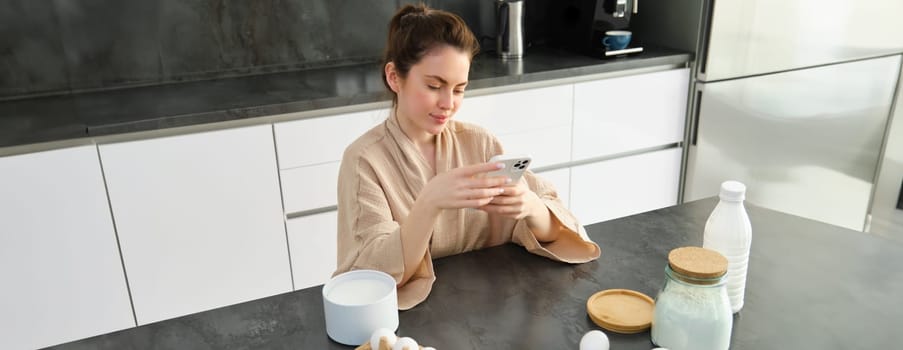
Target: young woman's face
x=432, y=92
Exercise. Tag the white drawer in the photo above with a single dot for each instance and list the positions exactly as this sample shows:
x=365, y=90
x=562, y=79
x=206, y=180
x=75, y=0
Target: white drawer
x=312, y=246
x=324, y=139
x=520, y=111
x=547, y=147
x=310, y=187
x=629, y=113
x=625, y=186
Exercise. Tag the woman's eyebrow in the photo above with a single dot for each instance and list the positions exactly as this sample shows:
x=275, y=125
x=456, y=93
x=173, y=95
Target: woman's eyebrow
x=443, y=81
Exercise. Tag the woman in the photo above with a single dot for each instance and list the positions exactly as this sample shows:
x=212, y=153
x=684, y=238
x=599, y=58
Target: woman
x=414, y=188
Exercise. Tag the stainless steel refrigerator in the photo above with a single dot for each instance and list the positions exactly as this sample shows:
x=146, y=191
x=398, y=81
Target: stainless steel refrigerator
x=887, y=204
x=792, y=98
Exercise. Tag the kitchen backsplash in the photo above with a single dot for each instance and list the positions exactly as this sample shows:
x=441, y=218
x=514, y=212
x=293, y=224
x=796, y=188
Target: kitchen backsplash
x=63, y=46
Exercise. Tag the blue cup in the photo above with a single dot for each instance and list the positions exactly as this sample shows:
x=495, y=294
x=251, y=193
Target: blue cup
x=616, y=39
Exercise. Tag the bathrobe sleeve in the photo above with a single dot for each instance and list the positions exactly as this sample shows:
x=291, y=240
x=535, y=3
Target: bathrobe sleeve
x=369, y=237
x=573, y=245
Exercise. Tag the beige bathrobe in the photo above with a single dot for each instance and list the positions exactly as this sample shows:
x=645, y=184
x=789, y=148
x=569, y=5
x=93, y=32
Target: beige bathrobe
x=381, y=175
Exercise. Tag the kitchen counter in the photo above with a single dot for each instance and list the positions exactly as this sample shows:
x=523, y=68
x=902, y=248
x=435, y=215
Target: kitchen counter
x=46, y=119
x=810, y=286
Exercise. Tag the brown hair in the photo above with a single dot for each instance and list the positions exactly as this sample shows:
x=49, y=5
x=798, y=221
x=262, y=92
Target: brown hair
x=416, y=29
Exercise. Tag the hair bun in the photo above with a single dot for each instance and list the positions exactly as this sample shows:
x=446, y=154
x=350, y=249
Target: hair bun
x=408, y=12
x=412, y=9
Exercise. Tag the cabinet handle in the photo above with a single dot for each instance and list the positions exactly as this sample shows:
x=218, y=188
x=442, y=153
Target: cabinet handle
x=900, y=198
x=695, y=116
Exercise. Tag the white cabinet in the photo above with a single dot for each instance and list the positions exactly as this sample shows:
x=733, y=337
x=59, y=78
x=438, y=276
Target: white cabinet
x=625, y=186
x=535, y=121
x=59, y=262
x=310, y=153
x=629, y=113
x=200, y=220
x=312, y=244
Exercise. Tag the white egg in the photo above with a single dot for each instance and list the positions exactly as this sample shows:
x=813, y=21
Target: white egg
x=429, y=348
x=406, y=343
x=594, y=340
x=380, y=333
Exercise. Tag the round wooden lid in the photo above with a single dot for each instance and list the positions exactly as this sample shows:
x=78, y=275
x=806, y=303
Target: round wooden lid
x=697, y=262
x=621, y=310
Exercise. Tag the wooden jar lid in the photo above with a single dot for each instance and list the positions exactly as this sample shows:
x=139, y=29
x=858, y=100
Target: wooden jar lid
x=697, y=262
x=621, y=310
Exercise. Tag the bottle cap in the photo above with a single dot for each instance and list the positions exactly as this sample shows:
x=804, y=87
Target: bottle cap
x=732, y=191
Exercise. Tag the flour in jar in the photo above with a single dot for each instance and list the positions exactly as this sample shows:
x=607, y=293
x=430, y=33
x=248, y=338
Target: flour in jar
x=690, y=317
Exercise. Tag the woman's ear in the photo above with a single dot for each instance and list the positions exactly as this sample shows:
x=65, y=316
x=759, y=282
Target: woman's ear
x=392, y=77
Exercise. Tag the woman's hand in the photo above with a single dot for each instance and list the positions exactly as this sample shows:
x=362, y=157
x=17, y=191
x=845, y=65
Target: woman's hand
x=519, y=202
x=516, y=202
x=463, y=187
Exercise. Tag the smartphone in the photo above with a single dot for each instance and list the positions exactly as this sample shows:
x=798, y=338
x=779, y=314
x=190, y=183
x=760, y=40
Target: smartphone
x=515, y=166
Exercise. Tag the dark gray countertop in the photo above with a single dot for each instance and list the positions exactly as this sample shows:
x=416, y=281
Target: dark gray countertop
x=157, y=107
x=810, y=286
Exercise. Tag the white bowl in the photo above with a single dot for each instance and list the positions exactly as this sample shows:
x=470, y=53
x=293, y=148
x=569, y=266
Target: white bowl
x=358, y=302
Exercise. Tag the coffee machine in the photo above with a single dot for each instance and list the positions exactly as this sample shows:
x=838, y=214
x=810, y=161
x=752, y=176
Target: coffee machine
x=580, y=25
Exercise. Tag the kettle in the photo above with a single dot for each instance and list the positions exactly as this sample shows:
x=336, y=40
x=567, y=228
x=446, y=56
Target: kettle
x=509, y=39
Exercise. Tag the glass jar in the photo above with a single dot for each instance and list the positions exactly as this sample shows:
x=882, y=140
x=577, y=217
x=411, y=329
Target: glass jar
x=692, y=310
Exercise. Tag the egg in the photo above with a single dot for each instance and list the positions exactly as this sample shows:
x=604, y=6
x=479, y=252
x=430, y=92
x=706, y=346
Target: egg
x=381, y=333
x=429, y=348
x=406, y=343
x=594, y=340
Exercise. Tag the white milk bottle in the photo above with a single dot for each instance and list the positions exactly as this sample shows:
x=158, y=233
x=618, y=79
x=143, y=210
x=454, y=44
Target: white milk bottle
x=729, y=232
